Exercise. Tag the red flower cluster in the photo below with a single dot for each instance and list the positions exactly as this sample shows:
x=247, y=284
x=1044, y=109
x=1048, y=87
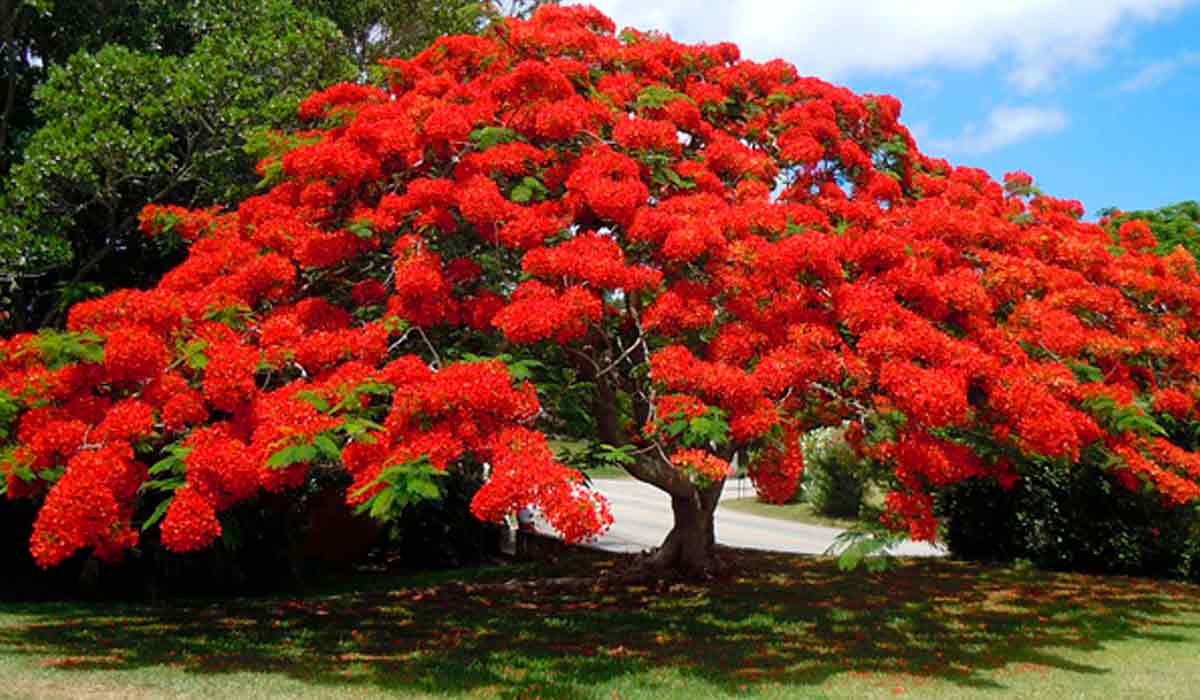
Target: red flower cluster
x=90, y=506
x=777, y=471
x=524, y=472
x=190, y=523
x=538, y=312
x=700, y=467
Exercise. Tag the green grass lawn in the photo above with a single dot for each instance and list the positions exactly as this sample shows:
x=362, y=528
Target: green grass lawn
x=606, y=473
x=795, y=512
x=782, y=627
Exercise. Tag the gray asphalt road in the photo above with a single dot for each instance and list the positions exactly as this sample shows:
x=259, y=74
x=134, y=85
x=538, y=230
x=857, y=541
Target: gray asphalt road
x=642, y=516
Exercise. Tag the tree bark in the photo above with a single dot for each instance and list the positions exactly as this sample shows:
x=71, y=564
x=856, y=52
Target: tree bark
x=689, y=550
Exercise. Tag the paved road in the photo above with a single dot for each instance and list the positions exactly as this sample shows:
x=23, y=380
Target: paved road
x=642, y=516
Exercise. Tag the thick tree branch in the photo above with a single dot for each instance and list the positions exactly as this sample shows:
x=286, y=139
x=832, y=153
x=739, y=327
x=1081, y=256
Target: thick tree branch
x=656, y=472
x=607, y=411
x=654, y=469
x=11, y=11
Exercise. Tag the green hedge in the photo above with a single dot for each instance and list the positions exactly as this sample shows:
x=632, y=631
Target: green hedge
x=1076, y=519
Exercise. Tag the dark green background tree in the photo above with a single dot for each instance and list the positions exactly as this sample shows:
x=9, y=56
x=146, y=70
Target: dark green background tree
x=37, y=35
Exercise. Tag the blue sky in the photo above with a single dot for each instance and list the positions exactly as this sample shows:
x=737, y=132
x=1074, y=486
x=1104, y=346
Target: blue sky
x=1098, y=99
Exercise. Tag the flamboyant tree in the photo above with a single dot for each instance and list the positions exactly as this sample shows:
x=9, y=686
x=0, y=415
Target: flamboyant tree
x=551, y=235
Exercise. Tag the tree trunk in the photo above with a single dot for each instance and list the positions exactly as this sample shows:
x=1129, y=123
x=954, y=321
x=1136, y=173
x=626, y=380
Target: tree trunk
x=9, y=12
x=689, y=550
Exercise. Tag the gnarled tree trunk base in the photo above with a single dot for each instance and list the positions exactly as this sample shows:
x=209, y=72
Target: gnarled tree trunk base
x=690, y=549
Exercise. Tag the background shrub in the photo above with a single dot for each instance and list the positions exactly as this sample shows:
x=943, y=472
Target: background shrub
x=833, y=479
x=1076, y=519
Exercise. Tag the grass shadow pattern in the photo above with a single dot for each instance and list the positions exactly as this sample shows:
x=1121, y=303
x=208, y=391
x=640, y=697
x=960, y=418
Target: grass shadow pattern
x=779, y=620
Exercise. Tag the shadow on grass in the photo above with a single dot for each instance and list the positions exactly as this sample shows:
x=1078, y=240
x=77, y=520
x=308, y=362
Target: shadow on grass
x=781, y=620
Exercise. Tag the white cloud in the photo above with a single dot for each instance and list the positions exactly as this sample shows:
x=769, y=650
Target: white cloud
x=1159, y=72
x=1036, y=40
x=1005, y=126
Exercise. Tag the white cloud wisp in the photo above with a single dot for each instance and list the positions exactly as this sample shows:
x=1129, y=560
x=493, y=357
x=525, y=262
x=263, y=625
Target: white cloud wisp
x=1005, y=126
x=1159, y=72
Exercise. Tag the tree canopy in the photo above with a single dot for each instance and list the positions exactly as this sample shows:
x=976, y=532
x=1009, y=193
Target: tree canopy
x=551, y=233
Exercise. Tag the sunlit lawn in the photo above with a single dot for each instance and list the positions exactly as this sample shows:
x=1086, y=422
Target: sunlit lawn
x=784, y=626
x=794, y=512
x=607, y=473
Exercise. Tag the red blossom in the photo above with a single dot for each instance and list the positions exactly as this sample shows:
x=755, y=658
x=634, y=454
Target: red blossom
x=190, y=523
x=701, y=467
x=90, y=506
